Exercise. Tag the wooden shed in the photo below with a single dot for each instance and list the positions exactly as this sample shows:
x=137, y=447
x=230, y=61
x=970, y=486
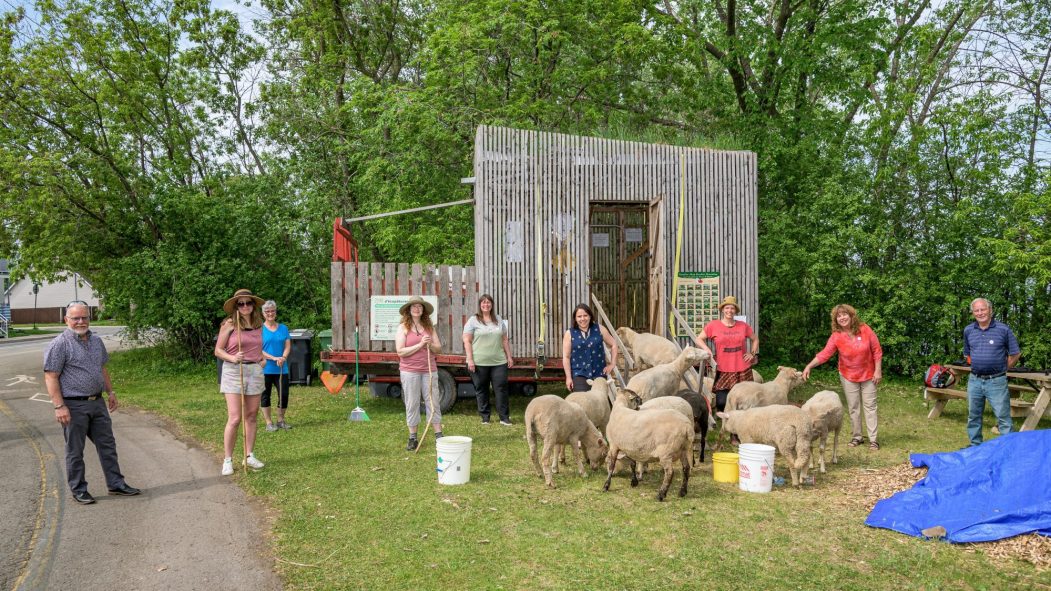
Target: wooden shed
x=557, y=219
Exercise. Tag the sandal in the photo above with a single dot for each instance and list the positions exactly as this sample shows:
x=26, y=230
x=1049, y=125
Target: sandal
x=855, y=442
x=874, y=446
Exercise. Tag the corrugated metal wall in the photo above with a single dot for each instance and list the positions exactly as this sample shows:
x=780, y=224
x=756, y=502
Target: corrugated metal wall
x=532, y=193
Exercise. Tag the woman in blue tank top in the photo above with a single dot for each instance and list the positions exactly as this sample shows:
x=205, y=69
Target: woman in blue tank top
x=583, y=356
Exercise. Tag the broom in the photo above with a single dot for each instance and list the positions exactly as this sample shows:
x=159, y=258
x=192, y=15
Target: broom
x=358, y=414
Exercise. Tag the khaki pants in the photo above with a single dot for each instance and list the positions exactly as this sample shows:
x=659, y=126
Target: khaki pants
x=861, y=395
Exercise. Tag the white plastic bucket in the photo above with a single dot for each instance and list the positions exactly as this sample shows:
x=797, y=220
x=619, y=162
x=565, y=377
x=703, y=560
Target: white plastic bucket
x=756, y=467
x=454, y=459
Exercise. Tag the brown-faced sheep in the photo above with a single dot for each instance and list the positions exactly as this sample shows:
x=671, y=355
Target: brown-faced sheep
x=783, y=426
x=560, y=422
x=656, y=435
x=826, y=414
x=665, y=379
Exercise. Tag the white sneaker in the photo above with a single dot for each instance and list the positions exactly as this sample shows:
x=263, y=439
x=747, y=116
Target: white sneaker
x=228, y=467
x=254, y=463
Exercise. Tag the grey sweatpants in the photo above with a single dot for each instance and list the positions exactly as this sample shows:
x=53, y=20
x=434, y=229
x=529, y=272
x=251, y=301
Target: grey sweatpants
x=414, y=390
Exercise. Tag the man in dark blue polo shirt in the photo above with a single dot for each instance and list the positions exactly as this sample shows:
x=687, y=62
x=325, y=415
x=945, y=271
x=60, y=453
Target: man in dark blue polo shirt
x=992, y=348
x=76, y=378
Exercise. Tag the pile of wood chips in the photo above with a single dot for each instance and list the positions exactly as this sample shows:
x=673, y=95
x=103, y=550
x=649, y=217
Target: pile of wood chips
x=871, y=486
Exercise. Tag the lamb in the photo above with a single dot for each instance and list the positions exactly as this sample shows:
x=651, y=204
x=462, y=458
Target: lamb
x=664, y=380
x=783, y=426
x=561, y=422
x=645, y=436
x=648, y=350
x=745, y=395
x=826, y=414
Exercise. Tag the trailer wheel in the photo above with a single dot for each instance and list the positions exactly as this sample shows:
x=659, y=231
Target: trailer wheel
x=394, y=390
x=446, y=390
x=529, y=389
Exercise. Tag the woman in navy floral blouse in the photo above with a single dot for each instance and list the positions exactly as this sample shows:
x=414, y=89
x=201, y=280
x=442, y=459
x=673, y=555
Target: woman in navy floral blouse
x=583, y=356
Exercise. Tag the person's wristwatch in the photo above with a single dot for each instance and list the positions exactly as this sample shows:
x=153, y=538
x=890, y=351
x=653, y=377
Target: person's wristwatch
x=58, y=406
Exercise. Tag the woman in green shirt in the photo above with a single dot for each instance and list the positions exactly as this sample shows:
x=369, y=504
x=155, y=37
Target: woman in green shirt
x=488, y=358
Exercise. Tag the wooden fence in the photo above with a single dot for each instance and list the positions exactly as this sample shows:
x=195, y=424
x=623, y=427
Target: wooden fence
x=353, y=284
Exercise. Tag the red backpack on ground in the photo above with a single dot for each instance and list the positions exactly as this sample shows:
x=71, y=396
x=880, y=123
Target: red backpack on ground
x=938, y=376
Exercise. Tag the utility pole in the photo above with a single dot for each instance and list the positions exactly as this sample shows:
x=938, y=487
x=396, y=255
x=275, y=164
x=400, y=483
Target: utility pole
x=36, y=290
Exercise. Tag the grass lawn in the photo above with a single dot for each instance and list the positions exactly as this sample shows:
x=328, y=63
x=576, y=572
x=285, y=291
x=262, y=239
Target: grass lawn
x=353, y=510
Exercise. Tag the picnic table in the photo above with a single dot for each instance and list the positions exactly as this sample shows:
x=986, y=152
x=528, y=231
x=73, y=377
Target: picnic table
x=1019, y=382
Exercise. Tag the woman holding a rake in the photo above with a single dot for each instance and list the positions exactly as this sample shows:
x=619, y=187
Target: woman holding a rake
x=240, y=346
x=416, y=342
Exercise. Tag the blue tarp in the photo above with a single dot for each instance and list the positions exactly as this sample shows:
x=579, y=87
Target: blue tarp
x=996, y=490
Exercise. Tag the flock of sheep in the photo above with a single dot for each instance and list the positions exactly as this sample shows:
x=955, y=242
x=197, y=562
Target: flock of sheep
x=664, y=413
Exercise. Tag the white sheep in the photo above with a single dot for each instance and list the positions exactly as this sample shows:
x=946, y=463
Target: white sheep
x=676, y=403
x=783, y=426
x=657, y=435
x=745, y=395
x=665, y=379
x=560, y=422
x=595, y=402
x=826, y=414
x=596, y=405
x=648, y=349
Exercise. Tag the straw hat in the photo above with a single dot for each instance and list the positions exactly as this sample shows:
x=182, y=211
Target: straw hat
x=428, y=309
x=231, y=304
x=730, y=301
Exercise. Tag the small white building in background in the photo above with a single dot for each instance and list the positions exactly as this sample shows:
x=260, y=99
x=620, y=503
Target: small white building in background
x=51, y=299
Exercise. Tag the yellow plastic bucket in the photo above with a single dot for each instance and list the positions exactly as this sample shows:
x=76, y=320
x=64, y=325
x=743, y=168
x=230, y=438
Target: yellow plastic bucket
x=725, y=467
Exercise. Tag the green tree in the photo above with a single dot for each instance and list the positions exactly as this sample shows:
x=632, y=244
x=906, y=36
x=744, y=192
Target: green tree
x=127, y=157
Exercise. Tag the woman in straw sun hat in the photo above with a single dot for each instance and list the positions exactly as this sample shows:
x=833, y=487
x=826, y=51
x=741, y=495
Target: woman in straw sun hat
x=416, y=342
x=733, y=359
x=240, y=346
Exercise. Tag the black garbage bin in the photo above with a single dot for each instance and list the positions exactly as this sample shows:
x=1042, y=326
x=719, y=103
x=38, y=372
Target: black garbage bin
x=300, y=363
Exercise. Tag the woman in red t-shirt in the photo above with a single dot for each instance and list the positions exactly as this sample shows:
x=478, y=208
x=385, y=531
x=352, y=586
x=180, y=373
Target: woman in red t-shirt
x=860, y=369
x=733, y=359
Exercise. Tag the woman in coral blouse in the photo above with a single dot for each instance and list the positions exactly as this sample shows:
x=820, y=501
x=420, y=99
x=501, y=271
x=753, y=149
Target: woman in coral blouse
x=860, y=369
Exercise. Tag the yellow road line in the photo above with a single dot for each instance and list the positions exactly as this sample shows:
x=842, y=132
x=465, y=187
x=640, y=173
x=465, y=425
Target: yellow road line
x=41, y=515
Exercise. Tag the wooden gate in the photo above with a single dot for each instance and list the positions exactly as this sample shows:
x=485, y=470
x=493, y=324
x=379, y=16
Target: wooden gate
x=620, y=261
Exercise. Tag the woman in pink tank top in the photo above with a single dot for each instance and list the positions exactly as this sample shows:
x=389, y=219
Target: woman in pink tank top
x=416, y=342
x=240, y=346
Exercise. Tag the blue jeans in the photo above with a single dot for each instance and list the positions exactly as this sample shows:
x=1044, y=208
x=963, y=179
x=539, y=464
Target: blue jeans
x=995, y=391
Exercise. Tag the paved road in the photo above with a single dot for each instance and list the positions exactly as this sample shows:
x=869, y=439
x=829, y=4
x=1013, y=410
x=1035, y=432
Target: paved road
x=190, y=529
